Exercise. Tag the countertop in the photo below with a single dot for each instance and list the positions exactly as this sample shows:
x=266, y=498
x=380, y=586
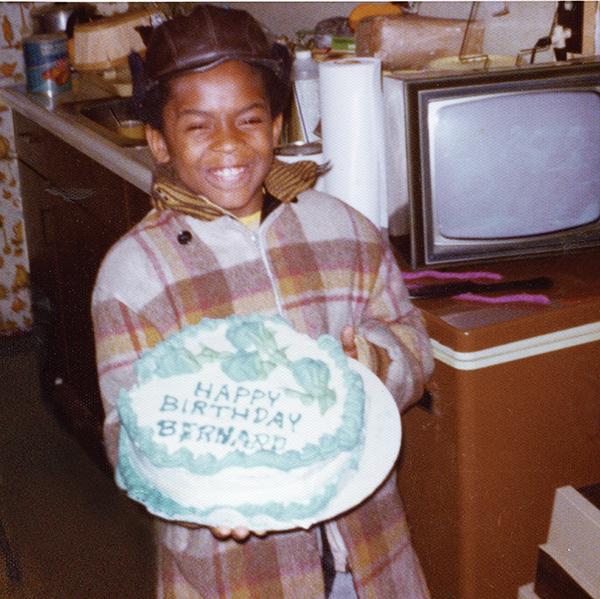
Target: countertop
x=132, y=164
x=572, y=317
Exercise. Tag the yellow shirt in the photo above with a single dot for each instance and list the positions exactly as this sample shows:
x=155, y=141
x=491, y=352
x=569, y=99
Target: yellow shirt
x=252, y=221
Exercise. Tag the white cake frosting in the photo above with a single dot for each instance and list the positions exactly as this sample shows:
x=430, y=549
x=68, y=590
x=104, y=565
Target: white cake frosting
x=241, y=418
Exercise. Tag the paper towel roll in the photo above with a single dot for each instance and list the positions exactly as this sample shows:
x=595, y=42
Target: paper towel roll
x=352, y=130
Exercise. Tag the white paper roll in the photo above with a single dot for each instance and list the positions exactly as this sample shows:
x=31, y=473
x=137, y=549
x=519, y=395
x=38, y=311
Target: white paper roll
x=352, y=129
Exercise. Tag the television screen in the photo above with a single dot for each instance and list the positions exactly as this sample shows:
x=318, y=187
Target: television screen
x=514, y=164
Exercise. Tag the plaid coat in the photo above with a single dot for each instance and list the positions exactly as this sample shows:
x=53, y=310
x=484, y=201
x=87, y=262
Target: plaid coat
x=321, y=265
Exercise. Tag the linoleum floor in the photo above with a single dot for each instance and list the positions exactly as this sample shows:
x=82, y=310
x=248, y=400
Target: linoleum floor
x=66, y=532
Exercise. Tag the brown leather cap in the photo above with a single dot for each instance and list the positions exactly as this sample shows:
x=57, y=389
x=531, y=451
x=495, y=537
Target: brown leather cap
x=209, y=36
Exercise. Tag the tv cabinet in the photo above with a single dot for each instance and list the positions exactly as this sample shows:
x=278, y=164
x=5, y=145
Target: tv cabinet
x=515, y=413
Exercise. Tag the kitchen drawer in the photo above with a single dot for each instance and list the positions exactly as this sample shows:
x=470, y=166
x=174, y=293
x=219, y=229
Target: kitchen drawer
x=83, y=191
x=44, y=152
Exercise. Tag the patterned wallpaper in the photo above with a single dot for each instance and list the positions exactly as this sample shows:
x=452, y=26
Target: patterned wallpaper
x=15, y=302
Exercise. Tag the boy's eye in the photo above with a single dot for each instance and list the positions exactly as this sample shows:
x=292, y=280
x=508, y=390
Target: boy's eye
x=197, y=126
x=252, y=119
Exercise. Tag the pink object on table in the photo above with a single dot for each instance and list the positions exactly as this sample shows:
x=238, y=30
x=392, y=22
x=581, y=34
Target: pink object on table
x=531, y=298
x=460, y=276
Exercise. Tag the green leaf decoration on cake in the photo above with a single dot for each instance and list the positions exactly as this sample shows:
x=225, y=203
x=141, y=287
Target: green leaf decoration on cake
x=252, y=335
x=246, y=366
x=163, y=362
x=313, y=376
x=207, y=355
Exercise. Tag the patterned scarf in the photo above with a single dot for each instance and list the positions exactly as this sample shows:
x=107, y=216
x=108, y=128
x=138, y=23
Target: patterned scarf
x=284, y=182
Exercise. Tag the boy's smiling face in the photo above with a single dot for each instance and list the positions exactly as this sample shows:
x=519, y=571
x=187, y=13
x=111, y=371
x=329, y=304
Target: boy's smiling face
x=219, y=135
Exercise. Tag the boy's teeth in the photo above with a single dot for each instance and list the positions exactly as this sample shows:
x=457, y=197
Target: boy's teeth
x=229, y=172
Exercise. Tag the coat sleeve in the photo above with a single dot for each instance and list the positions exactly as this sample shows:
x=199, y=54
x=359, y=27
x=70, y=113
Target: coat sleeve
x=121, y=336
x=391, y=337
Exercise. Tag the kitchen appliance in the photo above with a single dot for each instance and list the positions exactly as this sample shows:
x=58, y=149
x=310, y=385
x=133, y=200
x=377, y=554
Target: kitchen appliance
x=57, y=17
x=491, y=164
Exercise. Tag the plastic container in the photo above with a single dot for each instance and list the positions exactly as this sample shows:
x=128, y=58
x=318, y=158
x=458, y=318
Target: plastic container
x=132, y=129
x=298, y=151
x=305, y=114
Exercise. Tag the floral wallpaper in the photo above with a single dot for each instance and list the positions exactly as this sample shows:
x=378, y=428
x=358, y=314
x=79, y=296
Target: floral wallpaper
x=15, y=301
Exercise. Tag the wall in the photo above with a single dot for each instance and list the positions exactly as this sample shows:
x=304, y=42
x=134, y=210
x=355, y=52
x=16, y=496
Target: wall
x=525, y=23
x=285, y=18
x=520, y=28
x=15, y=305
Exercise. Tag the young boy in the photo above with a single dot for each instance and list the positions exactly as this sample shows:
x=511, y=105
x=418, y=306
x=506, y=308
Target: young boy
x=233, y=232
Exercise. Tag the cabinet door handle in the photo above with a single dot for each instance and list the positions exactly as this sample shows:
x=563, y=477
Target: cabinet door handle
x=73, y=195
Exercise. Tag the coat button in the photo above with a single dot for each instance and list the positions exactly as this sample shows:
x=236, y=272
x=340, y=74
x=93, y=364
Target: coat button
x=184, y=237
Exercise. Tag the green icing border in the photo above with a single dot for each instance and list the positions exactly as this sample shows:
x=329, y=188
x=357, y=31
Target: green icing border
x=140, y=490
x=346, y=438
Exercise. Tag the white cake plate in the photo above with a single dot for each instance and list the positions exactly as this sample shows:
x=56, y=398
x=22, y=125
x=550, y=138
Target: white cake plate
x=382, y=444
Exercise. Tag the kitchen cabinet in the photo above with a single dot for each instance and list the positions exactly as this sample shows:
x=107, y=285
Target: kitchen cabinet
x=74, y=210
x=514, y=414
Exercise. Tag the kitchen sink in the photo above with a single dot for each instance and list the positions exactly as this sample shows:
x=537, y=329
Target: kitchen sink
x=113, y=118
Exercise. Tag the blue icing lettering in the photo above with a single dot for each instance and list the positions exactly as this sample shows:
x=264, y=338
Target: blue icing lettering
x=243, y=438
x=294, y=420
x=278, y=444
x=278, y=420
x=262, y=439
x=186, y=433
x=204, y=432
x=257, y=394
x=223, y=394
x=166, y=428
x=223, y=436
x=273, y=397
x=242, y=414
x=260, y=415
x=169, y=404
x=201, y=389
x=199, y=407
x=241, y=393
x=218, y=409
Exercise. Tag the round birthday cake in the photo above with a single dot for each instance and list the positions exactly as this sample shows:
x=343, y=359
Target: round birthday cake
x=241, y=421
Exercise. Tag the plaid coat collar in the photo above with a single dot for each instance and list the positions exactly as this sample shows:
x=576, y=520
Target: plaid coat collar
x=283, y=183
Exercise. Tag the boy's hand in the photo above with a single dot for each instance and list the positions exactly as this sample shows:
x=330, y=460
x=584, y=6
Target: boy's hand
x=239, y=533
x=223, y=533
x=348, y=343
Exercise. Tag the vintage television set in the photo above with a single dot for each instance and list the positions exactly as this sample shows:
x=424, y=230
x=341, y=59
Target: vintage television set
x=492, y=164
